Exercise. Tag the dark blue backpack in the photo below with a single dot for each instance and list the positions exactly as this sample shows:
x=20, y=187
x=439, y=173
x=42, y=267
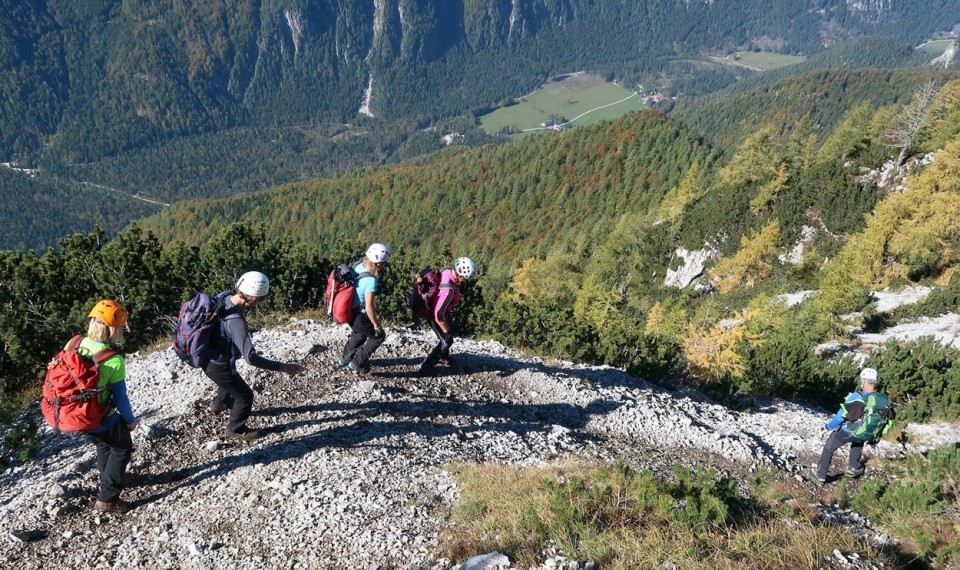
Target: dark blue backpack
x=196, y=337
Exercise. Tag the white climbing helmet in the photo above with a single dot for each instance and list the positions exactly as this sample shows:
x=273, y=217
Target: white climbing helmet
x=869, y=375
x=378, y=253
x=253, y=283
x=465, y=267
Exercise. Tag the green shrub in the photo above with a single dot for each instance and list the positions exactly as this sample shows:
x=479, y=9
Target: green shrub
x=921, y=377
x=624, y=344
x=921, y=504
x=612, y=498
x=783, y=363
x=20, y=442
x=546, y=326
x=702, y=501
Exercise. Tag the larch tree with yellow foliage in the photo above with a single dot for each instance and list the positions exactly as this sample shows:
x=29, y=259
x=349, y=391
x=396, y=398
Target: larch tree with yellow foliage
x=752, y=262
x=911, y=235
x=714, y=353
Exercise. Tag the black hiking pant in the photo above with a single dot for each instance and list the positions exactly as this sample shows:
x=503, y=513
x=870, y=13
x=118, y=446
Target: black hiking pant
x=114, y=448
x=442, y=350
x=837, y=439
x=362, y=343
x=232, y=392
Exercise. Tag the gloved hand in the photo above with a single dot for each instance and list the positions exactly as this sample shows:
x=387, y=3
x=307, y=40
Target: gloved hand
x=379, y=332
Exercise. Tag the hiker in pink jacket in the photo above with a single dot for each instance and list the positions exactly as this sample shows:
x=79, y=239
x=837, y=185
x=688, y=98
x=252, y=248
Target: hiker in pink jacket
x=448, y=297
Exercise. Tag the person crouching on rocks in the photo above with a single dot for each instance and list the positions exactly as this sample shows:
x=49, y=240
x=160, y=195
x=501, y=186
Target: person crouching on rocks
x=232, y=392
x=441, y=321
x=368, y=333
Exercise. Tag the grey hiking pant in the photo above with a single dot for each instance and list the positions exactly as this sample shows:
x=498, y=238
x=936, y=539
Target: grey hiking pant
x=837, y=439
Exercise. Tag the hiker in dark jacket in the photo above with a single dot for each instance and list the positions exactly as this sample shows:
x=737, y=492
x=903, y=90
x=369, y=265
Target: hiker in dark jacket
x=851, y=410
x=441, y=312
x=112, y=438
x=232, y=392
x=368, y=333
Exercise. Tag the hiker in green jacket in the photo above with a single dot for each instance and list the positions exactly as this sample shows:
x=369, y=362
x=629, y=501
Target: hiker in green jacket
x=864, y=416
x=114, y=444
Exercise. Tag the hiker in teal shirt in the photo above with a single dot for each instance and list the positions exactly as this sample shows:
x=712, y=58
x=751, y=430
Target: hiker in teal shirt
x=368, y=333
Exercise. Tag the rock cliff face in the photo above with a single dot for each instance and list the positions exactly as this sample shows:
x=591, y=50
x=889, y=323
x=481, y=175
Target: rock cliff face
x=353, y=470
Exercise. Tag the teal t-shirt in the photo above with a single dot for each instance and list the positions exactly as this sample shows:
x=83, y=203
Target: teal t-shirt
x=364, y=284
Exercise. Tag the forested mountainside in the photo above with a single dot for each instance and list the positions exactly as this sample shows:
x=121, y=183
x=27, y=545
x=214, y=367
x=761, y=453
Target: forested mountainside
x=521, y=199
x=508, y=201
x=35, y=209
x=823, y=94
x=632, y=243
x=91, y=80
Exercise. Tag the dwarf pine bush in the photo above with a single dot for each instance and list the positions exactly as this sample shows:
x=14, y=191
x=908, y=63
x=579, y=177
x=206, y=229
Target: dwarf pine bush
x=922, y=504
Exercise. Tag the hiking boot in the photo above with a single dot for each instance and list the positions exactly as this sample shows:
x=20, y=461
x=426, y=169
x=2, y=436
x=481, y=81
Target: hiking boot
x=816, y=476
x=448, y=361
x=854, y=473
x=363, y=369
x=340, y=363
x=243, y=435
x=217, y=408
x=118, y=506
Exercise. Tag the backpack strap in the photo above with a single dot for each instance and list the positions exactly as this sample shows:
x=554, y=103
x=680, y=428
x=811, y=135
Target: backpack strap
x=74, y=343
x=103, y=355
x=363, y=274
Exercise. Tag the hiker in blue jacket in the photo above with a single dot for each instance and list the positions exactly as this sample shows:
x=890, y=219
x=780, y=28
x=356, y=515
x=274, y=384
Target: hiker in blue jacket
x=368, y=333
x=232, y=392
x=851, y=410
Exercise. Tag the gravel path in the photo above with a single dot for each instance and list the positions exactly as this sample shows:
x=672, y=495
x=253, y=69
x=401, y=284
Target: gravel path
x=352, y=471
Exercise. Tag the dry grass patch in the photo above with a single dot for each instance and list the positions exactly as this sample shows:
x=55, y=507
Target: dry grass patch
x=620, y=518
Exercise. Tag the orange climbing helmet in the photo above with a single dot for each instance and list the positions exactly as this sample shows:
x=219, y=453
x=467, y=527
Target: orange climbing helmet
x=110, y=313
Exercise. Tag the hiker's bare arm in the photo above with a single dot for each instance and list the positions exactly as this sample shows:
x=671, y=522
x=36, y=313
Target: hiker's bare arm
x=371, y=309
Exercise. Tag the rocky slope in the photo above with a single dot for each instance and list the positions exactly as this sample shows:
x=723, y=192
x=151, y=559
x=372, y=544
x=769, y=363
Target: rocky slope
x=352, y=470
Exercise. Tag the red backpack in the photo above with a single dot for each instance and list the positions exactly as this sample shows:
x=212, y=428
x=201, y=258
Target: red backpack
x=71, y=398
x=341, y=287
